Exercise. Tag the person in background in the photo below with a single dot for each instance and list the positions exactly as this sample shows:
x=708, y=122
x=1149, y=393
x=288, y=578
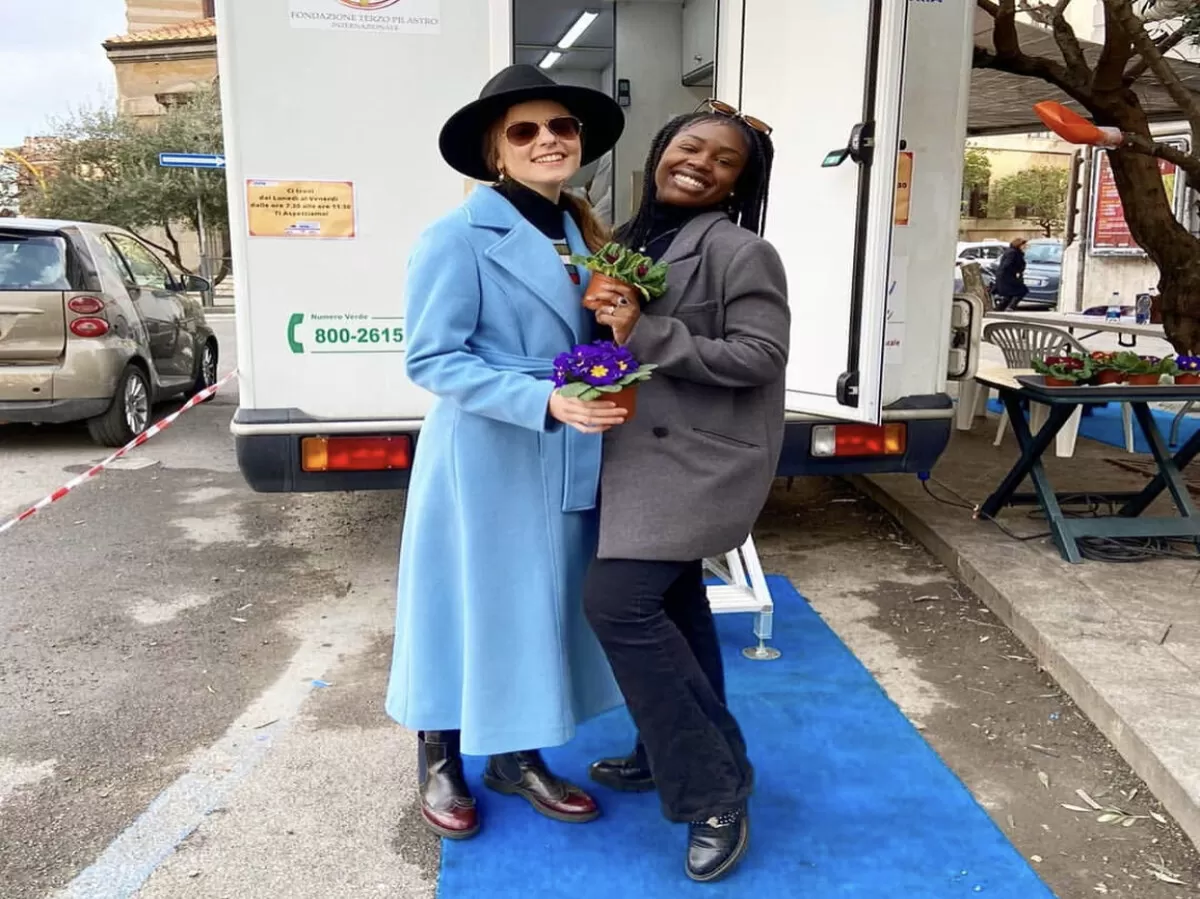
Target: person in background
x=1010, y=287
x=687, y=477
x=492, y=653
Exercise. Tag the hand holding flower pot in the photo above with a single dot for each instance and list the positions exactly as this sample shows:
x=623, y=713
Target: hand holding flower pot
x=601, y=370
x=1064, y=371
x=616, y=269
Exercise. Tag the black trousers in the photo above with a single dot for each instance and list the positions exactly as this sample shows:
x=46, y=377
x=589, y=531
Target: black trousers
x=655, y=624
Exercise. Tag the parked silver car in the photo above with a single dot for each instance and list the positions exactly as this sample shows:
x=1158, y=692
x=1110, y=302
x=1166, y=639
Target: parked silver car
x=94, y=326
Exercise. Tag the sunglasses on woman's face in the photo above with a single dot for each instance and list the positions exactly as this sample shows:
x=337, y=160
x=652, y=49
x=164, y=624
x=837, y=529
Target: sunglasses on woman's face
x=564, y=127
x=720, y=107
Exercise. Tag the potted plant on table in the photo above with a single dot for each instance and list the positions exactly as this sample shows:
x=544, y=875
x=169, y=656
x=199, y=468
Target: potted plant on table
x=1064, y=371
x=615, y=266
x=1105, y=370
x=1188, y=370
x=1143, y=371
x=591, y=371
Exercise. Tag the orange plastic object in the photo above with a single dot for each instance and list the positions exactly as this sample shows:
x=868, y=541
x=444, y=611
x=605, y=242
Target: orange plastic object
x=1074, y=128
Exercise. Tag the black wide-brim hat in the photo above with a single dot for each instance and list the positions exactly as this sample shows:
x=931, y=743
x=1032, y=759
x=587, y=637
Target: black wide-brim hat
x=463, y=136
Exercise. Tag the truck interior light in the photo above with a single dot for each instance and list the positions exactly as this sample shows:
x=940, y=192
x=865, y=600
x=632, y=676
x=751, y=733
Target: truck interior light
x=575, y=32
x=550, y=59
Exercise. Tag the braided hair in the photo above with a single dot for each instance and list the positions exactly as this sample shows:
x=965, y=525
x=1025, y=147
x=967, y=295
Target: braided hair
x=746, y=206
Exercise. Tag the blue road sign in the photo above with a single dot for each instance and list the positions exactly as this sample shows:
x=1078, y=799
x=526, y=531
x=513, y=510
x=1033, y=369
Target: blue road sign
x=191, y=161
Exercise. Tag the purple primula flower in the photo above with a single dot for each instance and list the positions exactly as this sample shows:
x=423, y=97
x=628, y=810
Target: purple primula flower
x=1188, y=363
x=596, y=364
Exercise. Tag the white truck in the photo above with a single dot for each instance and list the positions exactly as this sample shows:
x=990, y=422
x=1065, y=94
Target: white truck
x=332, y=110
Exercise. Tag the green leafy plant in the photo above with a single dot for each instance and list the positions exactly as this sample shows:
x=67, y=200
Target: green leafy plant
x=1133, y=364
x=623, y=264
x=1073, y=367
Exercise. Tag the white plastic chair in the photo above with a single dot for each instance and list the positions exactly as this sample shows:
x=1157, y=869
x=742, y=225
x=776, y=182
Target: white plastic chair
x=1021, y=343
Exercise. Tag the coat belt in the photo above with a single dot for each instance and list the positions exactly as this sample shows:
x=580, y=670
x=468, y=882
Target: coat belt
x=581, y=452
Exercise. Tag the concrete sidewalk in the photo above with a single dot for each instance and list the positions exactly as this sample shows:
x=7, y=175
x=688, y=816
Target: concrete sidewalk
x=1122, y=639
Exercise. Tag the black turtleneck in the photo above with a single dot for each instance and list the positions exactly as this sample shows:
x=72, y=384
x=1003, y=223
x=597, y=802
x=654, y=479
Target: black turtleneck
x=540, y=212
x=665, y=224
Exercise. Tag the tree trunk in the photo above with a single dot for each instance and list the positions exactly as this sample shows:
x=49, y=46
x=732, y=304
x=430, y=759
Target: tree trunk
x=1152, y=223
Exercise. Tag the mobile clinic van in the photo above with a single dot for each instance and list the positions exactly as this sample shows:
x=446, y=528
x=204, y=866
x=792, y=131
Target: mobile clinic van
x=332, y=111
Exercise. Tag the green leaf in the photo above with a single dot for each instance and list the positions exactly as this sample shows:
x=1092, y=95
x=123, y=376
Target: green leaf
x=574, y=390
x=589, y=394
x=609, y=388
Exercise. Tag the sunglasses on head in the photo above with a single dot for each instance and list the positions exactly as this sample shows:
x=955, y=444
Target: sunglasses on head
x=720, y=107
x=564, y=127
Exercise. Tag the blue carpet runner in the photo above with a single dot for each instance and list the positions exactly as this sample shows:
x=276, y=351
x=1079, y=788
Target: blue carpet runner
x=850, y=800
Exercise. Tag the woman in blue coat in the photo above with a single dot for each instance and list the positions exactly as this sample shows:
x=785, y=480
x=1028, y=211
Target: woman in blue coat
x=492, y=653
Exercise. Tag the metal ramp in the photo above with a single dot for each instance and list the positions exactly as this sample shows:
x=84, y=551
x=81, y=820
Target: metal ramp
x=743, y=588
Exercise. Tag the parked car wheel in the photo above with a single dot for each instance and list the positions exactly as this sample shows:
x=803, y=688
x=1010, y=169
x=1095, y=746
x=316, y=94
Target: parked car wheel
x=129, y=414
x=206, y=370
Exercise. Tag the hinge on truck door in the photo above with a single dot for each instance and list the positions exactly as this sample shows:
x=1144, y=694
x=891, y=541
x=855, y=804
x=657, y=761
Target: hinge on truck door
x=847, y=389
x=860, y=148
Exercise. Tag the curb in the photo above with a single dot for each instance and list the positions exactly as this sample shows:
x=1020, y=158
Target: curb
x=1144, y=760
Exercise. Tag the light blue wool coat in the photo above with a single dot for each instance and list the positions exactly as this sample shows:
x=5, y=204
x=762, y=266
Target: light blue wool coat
x=501, y=521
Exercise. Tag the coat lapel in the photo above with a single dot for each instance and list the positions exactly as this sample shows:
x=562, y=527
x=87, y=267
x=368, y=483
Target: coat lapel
x=683, y=258
x=525, y=254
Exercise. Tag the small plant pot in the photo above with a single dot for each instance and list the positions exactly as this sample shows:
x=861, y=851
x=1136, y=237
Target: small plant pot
x=1057, y=382
x=1143, y=380
x=625, y=399
x=599, y=285
x=1187, y=378
x=1110, y=377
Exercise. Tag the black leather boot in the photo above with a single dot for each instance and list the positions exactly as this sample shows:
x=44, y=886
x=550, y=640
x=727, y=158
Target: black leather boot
x=525, y=774
x=447, y=806
x=716, y=845
x=628, y=774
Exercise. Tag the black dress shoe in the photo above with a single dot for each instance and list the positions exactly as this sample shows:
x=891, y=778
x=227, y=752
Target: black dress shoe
x=629, y=774
x=716, y=845
x=447, y=806
x=525, y=774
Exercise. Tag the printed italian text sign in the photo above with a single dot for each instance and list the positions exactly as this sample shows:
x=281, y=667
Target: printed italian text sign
x=396, y=16
x=304, y=209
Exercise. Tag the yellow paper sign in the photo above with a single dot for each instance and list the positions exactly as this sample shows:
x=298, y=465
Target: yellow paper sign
x=304, y=209
x=904, y=170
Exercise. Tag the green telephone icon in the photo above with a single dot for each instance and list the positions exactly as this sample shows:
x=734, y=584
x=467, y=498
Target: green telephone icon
x=296, y=321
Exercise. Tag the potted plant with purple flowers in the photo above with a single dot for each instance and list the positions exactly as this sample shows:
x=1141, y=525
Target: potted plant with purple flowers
x=614, y=266
x=1188, y=370
x=1064, y=371
x=591, y=371
x=1143, y=371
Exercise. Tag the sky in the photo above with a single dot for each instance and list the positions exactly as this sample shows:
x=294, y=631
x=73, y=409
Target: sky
x=52, y=61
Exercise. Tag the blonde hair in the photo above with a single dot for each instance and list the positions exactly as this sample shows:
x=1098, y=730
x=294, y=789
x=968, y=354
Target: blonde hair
x=595, y=234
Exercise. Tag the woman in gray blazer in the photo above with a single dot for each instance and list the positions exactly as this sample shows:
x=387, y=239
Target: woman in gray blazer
x=686, y=478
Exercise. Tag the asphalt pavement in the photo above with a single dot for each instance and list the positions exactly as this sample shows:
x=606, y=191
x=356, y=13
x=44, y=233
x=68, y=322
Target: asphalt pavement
x=167, y=633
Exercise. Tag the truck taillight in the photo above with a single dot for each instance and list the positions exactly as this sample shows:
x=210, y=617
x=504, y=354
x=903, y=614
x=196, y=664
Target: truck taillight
x=859, y=440
x=355, y=453
x=85, y=305
x=89, y=327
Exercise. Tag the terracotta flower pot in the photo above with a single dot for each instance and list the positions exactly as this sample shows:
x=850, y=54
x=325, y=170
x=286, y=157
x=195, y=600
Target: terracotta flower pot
x=1110, y=377
x=1187, y=377
x=603, y=284
x=1056, y=382
x=625, y=399
x=1144, y=380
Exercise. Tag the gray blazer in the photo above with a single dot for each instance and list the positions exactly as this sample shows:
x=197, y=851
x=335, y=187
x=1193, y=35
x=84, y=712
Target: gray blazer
x=687, y=477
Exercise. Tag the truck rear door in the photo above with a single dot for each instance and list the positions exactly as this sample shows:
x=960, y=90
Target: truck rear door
x=827, y=77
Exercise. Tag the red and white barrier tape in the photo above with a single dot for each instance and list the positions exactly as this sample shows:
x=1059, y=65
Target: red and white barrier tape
x=156, y=428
